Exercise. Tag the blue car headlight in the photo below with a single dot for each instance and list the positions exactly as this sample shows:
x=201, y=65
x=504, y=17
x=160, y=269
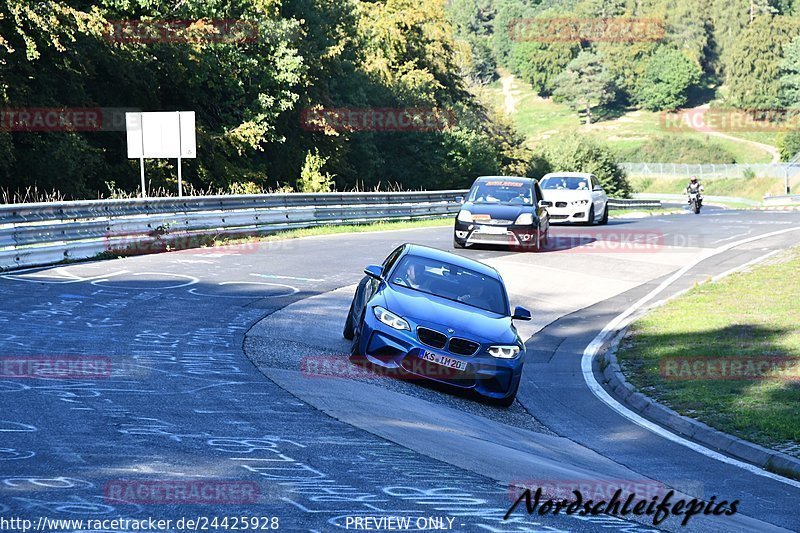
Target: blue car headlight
x=504, y=352
x=390, y=319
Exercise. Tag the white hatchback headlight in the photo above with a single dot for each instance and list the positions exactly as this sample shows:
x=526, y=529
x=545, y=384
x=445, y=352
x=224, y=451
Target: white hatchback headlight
x=525, y=219
x=390, y=319
x=504, y=352
x=579, y=202
x=464, y=216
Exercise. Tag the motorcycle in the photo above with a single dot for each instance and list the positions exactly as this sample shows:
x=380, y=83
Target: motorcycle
x=696, y=201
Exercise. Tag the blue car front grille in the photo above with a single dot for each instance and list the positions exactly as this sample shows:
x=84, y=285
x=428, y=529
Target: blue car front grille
x=438, y=340
x=431, y=337
x=463, y=346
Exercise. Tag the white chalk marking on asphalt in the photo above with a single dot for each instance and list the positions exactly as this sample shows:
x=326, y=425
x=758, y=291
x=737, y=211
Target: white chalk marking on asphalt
x=194, y=261
x=622, y=320
x=293, y=290
x=192, y=280
x=70, y=279
x=275, y=276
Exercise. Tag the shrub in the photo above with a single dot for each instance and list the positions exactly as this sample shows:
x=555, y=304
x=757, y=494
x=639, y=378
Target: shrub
x=577, y=153
x=312, y=178
x=678, y=149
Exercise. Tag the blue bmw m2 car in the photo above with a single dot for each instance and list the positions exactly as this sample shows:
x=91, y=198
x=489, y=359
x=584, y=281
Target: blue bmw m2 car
x=435, y=315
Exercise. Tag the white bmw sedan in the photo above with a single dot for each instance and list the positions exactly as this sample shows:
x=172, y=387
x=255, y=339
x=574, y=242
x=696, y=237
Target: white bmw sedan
x=574, y=197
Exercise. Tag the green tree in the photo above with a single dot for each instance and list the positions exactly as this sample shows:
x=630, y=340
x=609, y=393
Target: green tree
x=539, y=63
x=789, y=81
x=584, y=85
x=668, y=76
x=753, y=73
x=578, y=153
x=789, y=145
x=688, y=28
x=727, y=19
x=626, y=63
x=508, y=14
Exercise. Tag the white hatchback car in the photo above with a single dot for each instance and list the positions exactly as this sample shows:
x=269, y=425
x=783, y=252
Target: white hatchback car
x=574, y=197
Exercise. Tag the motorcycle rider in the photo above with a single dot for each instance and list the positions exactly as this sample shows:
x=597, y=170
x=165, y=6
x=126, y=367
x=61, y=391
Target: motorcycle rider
x=695, y=187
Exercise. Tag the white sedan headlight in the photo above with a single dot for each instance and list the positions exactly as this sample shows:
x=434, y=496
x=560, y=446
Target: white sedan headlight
x=525, y=219
x=504, y=352
x=579, y=202
x=464, y=216
x=390, y=319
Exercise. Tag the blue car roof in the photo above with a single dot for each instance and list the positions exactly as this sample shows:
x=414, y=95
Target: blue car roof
x=447, y=257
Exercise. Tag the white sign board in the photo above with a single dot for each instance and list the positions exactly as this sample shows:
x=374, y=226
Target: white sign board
x=168, y=134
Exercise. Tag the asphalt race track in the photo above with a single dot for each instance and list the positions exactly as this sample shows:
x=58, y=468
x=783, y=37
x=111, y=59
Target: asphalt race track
x=208, y=353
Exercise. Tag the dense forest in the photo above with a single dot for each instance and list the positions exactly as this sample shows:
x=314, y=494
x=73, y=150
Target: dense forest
x=739, y=54
x=681, y=48
x=253, y=70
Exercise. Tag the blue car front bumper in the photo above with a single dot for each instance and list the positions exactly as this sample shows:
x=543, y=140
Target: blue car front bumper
x=400, y=352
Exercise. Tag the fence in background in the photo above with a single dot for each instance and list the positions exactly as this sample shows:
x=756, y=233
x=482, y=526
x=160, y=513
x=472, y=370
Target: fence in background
x=776, y=170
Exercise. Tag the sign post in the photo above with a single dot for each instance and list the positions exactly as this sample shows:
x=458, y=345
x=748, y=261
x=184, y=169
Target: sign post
x=180, y=177
x=141, y=158
x=168, y=134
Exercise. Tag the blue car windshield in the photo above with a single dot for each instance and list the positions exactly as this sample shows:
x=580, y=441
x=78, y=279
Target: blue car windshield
x=500, y=191
x=451, y=282
x=568, y=182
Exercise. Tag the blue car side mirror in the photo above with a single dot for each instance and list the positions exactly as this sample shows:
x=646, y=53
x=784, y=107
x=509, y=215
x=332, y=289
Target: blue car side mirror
x=374, y=271
x=520, y=313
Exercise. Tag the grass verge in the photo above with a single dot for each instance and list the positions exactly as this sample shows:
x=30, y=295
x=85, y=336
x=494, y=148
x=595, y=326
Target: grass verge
x=749, y=317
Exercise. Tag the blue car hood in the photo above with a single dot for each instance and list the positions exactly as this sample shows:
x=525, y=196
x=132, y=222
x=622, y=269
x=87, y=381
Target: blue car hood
x=440, y=314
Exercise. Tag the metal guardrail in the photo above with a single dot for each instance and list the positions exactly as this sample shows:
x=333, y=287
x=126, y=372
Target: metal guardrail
x=623, y=203
x=789, y=199
x=48, y=233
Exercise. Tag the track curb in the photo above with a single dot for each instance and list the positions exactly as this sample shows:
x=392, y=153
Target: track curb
x=624, y=392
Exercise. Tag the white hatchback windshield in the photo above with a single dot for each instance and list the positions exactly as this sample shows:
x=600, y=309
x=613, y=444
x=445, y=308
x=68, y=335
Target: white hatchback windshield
x=568, y=182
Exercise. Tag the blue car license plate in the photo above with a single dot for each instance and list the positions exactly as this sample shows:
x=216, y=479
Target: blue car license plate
x=443, y=360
